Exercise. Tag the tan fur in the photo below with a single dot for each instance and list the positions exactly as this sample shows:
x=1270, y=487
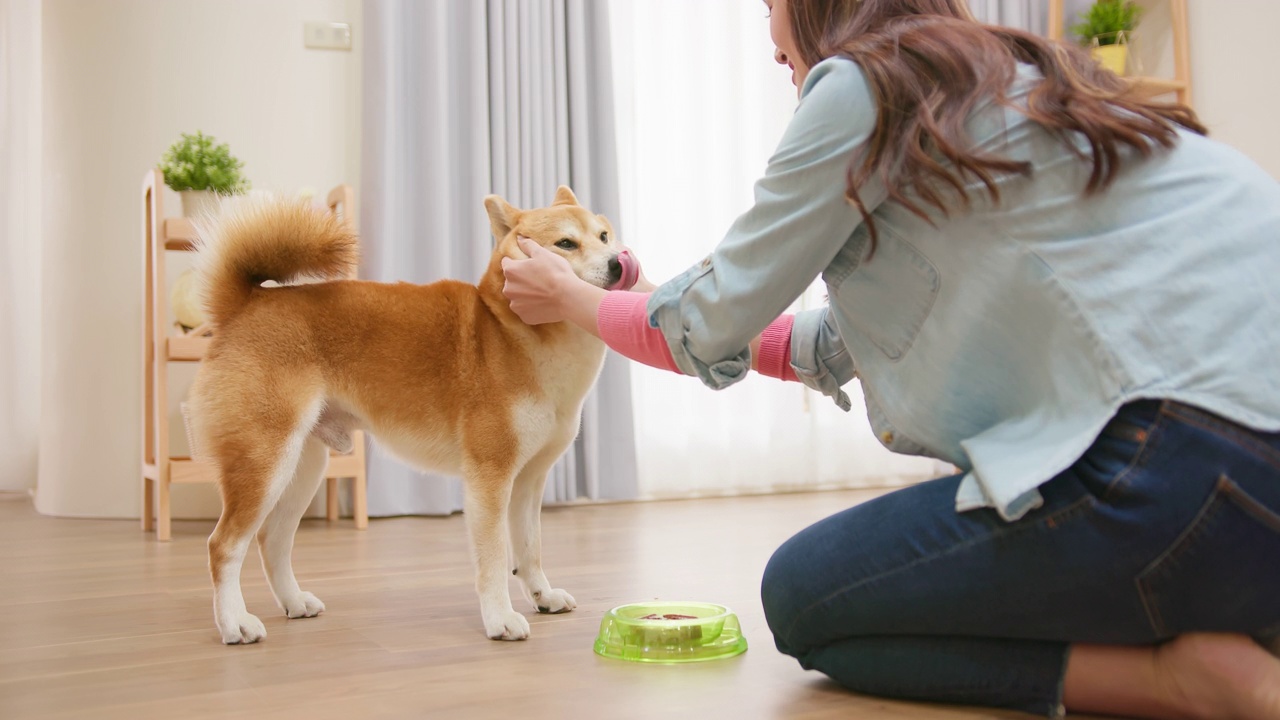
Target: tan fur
x=444, y=375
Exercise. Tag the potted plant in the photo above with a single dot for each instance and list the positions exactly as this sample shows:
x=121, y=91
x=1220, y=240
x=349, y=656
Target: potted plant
x=201, y=170
x=1105, y=30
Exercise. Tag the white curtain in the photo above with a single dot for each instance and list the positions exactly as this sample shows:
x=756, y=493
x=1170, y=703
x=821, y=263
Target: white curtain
x=1022, y=14
x=551, y=122
x=462, y=99
x=701, y=105
x=20, y=265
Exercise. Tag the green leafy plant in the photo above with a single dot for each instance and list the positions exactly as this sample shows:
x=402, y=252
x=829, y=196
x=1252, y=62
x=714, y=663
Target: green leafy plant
x=196, y=162
x=1106, y=20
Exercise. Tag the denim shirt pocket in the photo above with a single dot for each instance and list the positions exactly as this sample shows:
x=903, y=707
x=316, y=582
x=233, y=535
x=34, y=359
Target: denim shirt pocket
x=886, y=298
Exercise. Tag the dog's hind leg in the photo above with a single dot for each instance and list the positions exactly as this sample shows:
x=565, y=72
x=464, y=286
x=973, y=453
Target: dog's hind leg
x=487, y=493
x=256, y=464
x=526, y=532
x=275, y=539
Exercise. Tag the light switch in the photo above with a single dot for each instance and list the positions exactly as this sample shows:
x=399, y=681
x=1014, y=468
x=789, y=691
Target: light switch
x=327, y=35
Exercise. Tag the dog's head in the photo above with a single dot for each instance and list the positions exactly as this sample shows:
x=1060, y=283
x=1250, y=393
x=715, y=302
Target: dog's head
x=566, y=228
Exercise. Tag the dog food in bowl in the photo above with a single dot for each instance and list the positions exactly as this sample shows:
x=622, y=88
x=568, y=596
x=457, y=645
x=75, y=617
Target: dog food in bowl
x=670, y=632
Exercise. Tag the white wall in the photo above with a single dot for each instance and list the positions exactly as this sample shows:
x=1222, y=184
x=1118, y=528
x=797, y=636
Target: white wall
x=121, y=80
x=1234, y=56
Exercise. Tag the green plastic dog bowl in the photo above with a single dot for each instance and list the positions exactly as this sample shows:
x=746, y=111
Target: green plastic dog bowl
x=670, y=632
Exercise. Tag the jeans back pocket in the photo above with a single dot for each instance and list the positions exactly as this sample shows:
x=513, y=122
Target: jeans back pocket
x=1222, y=574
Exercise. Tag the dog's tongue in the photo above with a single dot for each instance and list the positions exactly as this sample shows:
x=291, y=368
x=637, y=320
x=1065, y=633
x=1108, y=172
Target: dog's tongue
x=630, y=272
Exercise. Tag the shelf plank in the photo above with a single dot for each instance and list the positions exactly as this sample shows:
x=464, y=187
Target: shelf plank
x=1153, y=86
x=185, y=348
x=179, y=234
x=341, y=466
x=184, y=470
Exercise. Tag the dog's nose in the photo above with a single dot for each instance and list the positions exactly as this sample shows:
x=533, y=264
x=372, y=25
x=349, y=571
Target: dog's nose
x=615, y=270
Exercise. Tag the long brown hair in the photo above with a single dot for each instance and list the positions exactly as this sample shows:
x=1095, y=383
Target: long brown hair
x=929, y=63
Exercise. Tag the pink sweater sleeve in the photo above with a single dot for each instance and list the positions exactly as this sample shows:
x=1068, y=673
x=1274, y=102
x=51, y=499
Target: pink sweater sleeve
x=775, y=350
x=624, y=326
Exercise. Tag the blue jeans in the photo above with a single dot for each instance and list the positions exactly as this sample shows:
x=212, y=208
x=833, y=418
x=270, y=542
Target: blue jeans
x=1169, y=524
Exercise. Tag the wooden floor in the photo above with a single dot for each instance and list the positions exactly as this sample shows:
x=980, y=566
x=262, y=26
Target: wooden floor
x=98, y=620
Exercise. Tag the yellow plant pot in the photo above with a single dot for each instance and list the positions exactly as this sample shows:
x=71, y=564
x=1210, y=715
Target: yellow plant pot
x=1112, y=57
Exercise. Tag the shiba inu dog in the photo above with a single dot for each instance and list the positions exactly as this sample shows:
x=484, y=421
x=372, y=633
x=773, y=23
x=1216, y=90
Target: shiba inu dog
x=443, y=375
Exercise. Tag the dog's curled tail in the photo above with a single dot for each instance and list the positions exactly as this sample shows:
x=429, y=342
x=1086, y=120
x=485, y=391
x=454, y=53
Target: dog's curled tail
x=259, y=238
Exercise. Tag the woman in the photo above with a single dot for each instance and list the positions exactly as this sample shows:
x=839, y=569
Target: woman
x=1059, y=287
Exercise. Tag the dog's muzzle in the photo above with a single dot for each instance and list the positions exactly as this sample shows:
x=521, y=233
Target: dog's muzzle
x=624, y=271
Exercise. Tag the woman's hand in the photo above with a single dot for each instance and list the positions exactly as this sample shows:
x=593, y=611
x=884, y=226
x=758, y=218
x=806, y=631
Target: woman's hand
x=537, y=286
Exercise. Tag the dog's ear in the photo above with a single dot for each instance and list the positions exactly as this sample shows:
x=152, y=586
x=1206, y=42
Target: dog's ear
x=502, y=217
x=564, y=196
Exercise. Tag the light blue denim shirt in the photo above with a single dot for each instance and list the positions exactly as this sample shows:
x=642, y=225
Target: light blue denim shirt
x=1004, y=337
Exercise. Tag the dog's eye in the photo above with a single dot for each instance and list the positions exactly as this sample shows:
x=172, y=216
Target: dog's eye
x=567, y=244
x=604, y=237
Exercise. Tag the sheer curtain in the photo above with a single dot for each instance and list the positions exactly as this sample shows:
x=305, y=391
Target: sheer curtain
x=1030, y=15
x=701, y=105
x=20, y=264
x=551, y=123
x=462, y=99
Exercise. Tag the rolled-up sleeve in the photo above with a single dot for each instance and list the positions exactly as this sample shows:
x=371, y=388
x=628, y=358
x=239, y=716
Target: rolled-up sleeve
x=819, y=356
x=799, y=221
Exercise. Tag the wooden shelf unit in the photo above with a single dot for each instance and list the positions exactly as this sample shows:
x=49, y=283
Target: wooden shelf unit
x=1180, y=83
x=160, y=470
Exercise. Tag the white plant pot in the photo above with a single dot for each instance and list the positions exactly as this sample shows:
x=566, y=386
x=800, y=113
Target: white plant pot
x=200, y=203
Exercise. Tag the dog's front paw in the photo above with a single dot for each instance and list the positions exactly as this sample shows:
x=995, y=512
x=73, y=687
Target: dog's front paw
x=241, y=629
x=554, y=602
x=506, y=625
x=303, y=605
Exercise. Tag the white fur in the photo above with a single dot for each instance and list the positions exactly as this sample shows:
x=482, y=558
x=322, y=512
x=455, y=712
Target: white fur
x=275, y=539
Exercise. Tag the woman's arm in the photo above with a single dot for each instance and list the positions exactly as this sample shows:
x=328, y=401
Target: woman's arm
x=714, y=315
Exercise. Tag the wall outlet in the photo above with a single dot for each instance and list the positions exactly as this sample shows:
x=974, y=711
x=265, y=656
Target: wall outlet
x=327, y=35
